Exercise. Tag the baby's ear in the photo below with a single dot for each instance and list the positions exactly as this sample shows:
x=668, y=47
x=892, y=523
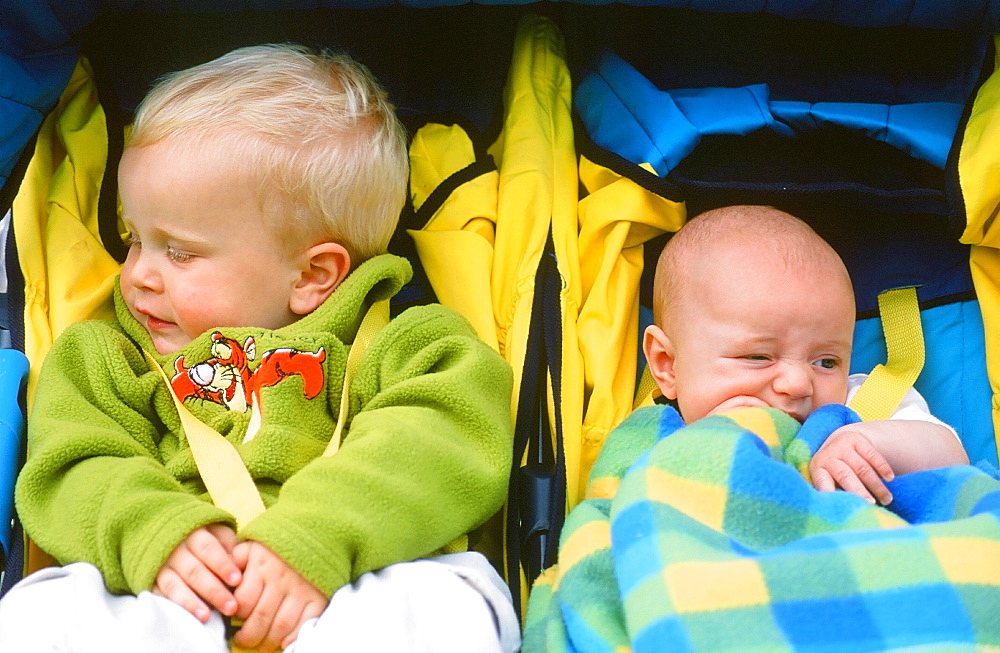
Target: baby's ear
x=660, y=357
x=325, y=266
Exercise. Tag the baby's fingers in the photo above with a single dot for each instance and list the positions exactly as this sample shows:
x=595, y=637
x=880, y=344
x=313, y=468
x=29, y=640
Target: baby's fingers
x=875, y=486
x=854, y=465
x=822, y=480
x=855, y=474
x=874, y=459
x=871, y=468
x=846, y=478
x=257, y=625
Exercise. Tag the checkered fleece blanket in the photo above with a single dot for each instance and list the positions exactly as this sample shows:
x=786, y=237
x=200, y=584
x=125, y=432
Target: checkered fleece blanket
x=712, y=539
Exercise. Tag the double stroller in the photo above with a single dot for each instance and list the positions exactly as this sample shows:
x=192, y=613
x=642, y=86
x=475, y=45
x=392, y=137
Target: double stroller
x=555, y=148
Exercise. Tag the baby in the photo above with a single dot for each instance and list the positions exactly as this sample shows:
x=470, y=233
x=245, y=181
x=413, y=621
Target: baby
x=753, y=309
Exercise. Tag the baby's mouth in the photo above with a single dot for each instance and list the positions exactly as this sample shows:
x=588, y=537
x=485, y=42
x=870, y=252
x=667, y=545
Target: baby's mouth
x=797, y=416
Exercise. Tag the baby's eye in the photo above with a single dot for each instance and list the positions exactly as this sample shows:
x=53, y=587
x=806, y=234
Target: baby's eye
x=827, y=363
x=131, y=240
x=177, y=255
x=757, y=357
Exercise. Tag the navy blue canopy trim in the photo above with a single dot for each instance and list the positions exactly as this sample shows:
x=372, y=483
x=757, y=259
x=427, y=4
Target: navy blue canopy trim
x=39, y=39
x=961, y=15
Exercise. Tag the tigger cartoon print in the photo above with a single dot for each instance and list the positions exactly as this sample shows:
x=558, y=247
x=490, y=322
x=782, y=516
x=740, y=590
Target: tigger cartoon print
x=227, y=379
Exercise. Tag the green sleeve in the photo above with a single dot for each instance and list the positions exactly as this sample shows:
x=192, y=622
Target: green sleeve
x=95, y=487
x=426, y=457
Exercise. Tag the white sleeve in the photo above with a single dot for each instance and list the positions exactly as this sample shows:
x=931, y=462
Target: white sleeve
x=913, y=405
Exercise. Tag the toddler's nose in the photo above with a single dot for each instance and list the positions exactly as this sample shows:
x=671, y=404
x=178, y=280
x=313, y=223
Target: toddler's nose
x=140, y=273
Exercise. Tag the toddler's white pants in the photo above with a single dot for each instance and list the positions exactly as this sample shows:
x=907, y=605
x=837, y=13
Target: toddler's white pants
x=451, y=603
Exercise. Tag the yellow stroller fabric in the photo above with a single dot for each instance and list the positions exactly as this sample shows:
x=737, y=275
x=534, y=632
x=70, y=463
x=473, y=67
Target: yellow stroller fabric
x=68, y=274
x=485, y=248
x=617, y=218
x=457, y=245
x=978, y=166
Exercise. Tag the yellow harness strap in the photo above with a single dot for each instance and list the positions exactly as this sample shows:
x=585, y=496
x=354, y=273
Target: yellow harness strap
x=376, y=318
x=226, y=477
x=219, y=463
x=880, y=394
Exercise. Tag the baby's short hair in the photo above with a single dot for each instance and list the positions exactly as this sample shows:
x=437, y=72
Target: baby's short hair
x=789, y=241
x=316, y=127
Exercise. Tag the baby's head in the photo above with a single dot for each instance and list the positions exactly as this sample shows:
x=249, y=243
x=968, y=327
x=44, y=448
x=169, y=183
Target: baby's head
x=259, y=179
x=751, y=308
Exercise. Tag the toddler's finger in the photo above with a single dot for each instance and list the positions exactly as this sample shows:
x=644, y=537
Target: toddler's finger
x=284, y=625
x=198, y=578
x=212, y=552
x=310, y=611
x=248, y=595
x=208, y=587
x=170, y=585
x=255, y=628
x=241, y=554
x=226, y=536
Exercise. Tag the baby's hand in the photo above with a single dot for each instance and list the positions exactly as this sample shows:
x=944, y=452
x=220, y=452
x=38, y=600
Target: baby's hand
x=201, y=570
x=274, y=599
x=740, y=401
x=849, y=461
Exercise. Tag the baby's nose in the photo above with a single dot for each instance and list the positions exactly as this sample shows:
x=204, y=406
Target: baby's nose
x=793, y=380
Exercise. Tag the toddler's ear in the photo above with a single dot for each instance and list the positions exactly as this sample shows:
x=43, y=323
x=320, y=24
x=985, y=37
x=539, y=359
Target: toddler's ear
x=325, y=266
x=660, y=356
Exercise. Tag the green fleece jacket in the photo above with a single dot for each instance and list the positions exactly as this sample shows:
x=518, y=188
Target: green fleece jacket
x=110, y=478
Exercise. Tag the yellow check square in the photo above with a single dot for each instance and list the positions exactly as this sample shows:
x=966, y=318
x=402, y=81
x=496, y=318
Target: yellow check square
x=968, y=559
x=701, y=501
x=699, y=586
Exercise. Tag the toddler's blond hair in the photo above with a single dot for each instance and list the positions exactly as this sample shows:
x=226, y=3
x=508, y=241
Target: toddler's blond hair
x=316, y=128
